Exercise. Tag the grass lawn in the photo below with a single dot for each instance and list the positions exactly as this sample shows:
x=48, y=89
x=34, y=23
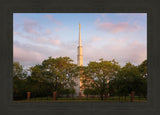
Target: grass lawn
x=110, y=99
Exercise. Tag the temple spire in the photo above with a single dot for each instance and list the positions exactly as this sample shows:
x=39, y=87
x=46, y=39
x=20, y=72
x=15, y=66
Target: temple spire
x=80, y=55
x=79, y=62
x=80, y=35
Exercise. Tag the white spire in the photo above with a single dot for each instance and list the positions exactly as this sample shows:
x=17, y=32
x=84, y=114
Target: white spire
x=80, y=54
x=80, y=35
x=79, y=61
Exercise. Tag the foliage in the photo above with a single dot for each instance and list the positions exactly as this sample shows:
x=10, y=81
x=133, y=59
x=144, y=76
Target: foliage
x=19, y=82
x=99, y=73
x=143, y=68
x=59, y=74
x=129, y=78
x=18, y=71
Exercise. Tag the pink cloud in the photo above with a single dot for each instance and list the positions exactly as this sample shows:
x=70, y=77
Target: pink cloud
x=95, y=39
x=57, y=29
x=117, y=27
x=26, y=56
x=122, y=50
x=55, y=42
x=97, y=21
x=21, y=35
x=31, y=26
x=118, y=41
x=134, y=52
x=62, y=29
x=46, y=40
x=30, y=54
x=50, y=17
x=48, y=32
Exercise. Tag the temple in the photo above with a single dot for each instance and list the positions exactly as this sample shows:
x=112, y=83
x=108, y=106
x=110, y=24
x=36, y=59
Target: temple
x=79, y=63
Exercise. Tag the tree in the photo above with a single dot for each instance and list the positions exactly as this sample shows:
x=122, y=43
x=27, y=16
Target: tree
x=59, y=72
x=19, y=81
x=143, y=68
x=129, y=79
x=100, y=73
x=86, y=80
x=18, y=71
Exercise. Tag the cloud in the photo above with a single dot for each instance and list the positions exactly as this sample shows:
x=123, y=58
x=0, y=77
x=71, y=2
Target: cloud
x=26, y=56
x=62, y=29
x=48, y=41
x=95, y=39
x=117, y=27
x=97, y=21
x=31, y=26
x=50, y=17
x=48, y=31
x=57, y=29
x=122, y=50
x=41, y=40
x=133, y=52
x=29, y=54
x=32, y=31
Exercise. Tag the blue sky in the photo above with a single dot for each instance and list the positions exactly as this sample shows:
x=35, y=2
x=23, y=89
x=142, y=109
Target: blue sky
x=119, y=36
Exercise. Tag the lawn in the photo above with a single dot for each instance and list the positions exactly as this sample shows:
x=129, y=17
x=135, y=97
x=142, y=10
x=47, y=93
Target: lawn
x=110, y=99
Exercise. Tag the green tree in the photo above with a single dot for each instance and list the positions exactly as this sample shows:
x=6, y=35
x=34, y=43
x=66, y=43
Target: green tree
x=18, y=71
x=99, y=73
x=129, y=79
x=58, y=72
x=19, y=81
x=143, y=68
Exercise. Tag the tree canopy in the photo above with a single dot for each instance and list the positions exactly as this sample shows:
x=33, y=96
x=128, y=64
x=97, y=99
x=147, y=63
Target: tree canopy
x=97, y=78
x=99, y=73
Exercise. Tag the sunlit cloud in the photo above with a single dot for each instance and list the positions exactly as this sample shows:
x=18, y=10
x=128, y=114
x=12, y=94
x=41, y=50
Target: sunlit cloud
x=31, y=26
x=29, y=54
x=95, y=39
x=50, y=17
x=43, y=40
x=26, y=56
x=120, y=49
x=119, y=27
x=48, y=31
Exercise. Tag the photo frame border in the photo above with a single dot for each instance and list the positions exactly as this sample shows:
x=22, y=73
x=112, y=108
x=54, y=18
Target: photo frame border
x=39, y=108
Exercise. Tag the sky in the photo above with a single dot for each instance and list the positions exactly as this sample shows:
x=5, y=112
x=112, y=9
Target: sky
x=119, y=36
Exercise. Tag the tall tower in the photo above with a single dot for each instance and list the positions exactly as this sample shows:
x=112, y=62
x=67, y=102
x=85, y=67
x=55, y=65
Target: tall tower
x=80, y=56
x=79, y=63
